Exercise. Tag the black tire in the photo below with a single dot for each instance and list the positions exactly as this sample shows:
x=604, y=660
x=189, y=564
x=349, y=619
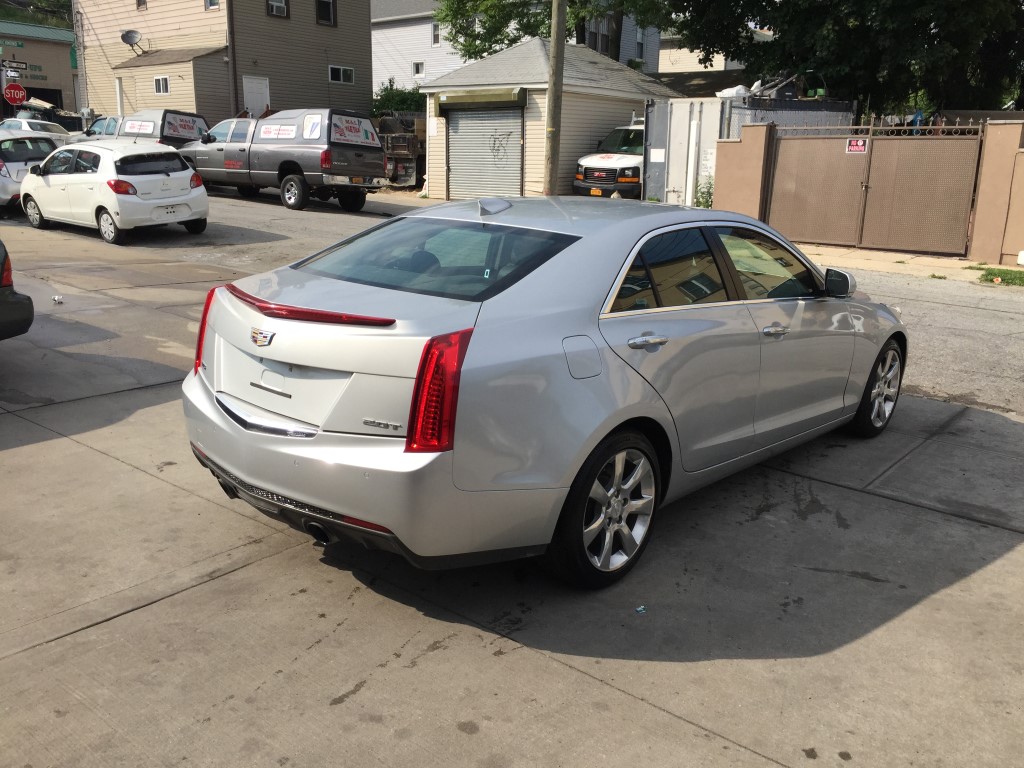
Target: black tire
x=878, y=403
x=295, y=192
x=606, y=520
x=195, y=226
x=352, y=202
x=109, y=230
x=248, y=190
x=34, y=214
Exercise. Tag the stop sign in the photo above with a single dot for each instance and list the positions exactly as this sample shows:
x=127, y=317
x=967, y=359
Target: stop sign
x=15, y=94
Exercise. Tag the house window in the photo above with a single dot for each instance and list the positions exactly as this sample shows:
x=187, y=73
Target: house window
x=140, y=5
x=277, y=8
x=326, y=12
x=639, y=43
x=161, y=85
x=212, y=5
x=435, y=34
x=343, y=75
x=417, y=69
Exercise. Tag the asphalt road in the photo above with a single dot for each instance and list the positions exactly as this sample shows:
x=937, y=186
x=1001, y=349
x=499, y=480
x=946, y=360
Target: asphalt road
x=849, y=603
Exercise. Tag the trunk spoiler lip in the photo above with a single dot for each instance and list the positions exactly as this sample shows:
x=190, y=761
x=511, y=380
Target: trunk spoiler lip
x=289, y=312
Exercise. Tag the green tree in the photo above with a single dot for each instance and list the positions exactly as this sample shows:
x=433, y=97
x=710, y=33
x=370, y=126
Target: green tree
x=390, y=98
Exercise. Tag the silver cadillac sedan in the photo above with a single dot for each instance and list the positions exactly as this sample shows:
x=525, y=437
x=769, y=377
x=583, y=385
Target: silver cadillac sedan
x=513, y=377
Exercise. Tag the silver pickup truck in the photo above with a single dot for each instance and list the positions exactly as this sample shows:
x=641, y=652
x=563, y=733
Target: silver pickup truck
x=323, y=153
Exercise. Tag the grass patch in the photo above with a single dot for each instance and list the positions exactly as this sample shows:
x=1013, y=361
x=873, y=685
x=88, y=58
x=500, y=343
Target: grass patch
x=1002, y=276
x=933, y=276
x=978, y=267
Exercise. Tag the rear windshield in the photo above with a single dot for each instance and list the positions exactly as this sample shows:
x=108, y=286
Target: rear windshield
x=25, y=150
x=151, y=163
x=623, y=141
x=48, y=127
x=438, y=257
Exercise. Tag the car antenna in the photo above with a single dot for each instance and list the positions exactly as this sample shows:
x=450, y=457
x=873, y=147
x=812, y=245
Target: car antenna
x=492, y=205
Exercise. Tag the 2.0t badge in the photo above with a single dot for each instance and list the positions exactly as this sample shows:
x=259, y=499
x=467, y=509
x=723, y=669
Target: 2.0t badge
x=261, y=338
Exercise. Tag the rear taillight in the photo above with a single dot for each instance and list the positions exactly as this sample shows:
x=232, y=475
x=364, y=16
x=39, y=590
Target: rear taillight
x=288, y=312
x=201, y=338
x=6, y=278
x=3, y=170
x=436, y=394
x=325, y=160
x=195, y=181
x=122, y=187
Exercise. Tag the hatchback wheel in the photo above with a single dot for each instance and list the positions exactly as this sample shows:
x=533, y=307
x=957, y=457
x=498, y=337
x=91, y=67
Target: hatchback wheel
x=109, y=230
x=881, y=392
x=34, y=215
x=606, y=521
x=195, y=226
x=295, y=192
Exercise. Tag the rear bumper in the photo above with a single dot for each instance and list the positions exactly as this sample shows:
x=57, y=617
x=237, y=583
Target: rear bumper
x=16, y=313
x=363, y=182
x=133, y=213
x=344, y=481
x=628, y=190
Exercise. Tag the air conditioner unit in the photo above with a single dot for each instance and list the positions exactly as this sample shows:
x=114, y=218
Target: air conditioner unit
x=277, y=9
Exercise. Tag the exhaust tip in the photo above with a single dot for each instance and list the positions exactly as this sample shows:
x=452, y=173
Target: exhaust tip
x=228, y=490
x=317, y=531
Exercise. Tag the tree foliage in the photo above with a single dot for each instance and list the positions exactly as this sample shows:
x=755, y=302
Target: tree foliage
x=885, y=53
x=390, y=98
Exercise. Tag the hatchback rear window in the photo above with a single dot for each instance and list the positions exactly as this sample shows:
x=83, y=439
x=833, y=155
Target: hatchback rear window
x=25, y=150
x=455, y=259
x=150, y=164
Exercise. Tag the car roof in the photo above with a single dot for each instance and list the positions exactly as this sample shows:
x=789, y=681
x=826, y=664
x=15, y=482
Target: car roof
x=581, y=216
x=122, y=147
x=12, y=133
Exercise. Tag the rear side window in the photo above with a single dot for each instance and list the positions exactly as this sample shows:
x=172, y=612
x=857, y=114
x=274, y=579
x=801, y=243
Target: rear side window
x=25, y=150
x=150, y=163
x=673, y=269
x=438, y=257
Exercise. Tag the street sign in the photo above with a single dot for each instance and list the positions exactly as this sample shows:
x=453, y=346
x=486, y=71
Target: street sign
x=15, y=94
x=12, y=64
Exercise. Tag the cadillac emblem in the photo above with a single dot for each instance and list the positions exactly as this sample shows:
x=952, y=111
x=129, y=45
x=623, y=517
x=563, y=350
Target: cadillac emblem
x=261, y=338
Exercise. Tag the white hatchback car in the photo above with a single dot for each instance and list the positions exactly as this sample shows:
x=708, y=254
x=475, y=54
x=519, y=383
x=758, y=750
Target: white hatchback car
x=19, y=150
x=115, y=186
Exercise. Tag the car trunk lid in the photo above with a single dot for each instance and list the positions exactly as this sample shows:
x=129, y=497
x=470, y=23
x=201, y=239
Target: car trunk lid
x=157, y=175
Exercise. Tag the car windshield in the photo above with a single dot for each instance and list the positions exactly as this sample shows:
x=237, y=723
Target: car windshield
x=439, y=257
x=150, y=163
x=27, y=150
x=624, y=141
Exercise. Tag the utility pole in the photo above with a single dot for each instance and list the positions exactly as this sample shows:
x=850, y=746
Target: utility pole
x=553, y=127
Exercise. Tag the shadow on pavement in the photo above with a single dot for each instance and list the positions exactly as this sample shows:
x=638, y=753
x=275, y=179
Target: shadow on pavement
x=792, y=559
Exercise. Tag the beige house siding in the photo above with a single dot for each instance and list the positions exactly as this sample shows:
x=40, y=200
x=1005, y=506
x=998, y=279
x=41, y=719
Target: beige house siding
x=267, y=46
x=534, y=116
x=212, y=88
x=140, y=93
x=586, y=120
x=437, y=153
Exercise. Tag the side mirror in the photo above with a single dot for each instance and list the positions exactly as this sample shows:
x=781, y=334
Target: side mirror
x=36, y=170
x=839, y=284
x=90, y=132
x=207, y=138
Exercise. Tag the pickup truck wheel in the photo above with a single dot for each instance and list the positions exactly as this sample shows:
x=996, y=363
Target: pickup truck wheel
x=295, y=192
x=248, y=190
x=195, y=226
x=352, y=201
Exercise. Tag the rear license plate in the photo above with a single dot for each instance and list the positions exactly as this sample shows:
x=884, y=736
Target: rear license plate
x=596, y=192
x=357, y=179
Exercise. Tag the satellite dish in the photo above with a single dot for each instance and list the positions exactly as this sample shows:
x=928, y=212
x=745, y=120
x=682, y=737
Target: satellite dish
x=131, y=36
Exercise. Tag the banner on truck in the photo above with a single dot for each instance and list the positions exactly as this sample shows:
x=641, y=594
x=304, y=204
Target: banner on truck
x=353, y=130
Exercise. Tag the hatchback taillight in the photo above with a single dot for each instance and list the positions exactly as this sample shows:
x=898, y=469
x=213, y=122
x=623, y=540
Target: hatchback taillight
x=122, y=187
x=6, y=278
x=325, y=160
x=201, y=338
x=195, y=181
x=436, y=394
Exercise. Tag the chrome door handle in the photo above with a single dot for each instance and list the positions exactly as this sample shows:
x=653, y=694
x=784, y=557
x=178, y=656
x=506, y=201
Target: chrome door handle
x=775, y=330
x=643, y=342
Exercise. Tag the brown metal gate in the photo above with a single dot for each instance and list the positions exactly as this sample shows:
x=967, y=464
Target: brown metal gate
x=906, y=189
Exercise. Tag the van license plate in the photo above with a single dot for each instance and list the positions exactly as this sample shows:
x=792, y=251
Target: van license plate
x=596, y=192
x=357, y=179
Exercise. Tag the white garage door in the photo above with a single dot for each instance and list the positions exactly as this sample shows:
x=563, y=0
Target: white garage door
x=485, y=153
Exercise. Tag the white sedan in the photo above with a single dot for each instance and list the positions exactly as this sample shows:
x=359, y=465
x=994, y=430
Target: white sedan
x=58, y=133
x=115, y=186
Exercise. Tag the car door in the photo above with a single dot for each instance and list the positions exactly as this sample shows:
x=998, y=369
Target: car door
x=674, y=320
x=83, y=187
x=806, y=338
x=210, y=155
x=51, y=190
x=236, y=153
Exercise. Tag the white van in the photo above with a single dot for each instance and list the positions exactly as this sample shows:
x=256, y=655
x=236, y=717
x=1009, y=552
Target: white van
x=616, y=166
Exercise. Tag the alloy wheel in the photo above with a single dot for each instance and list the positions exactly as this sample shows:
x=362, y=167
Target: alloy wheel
x=886, y=389
x=619, y=510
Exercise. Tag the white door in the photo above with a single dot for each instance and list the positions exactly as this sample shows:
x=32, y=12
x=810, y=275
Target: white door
x=255, y=94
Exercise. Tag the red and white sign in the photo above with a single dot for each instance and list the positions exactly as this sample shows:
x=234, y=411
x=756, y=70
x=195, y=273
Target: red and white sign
x=856, y=146
x=353, y=130
x=15, y=94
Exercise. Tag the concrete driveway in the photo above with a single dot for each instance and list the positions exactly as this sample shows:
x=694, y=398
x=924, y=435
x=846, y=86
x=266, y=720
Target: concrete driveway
x=850, y=603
